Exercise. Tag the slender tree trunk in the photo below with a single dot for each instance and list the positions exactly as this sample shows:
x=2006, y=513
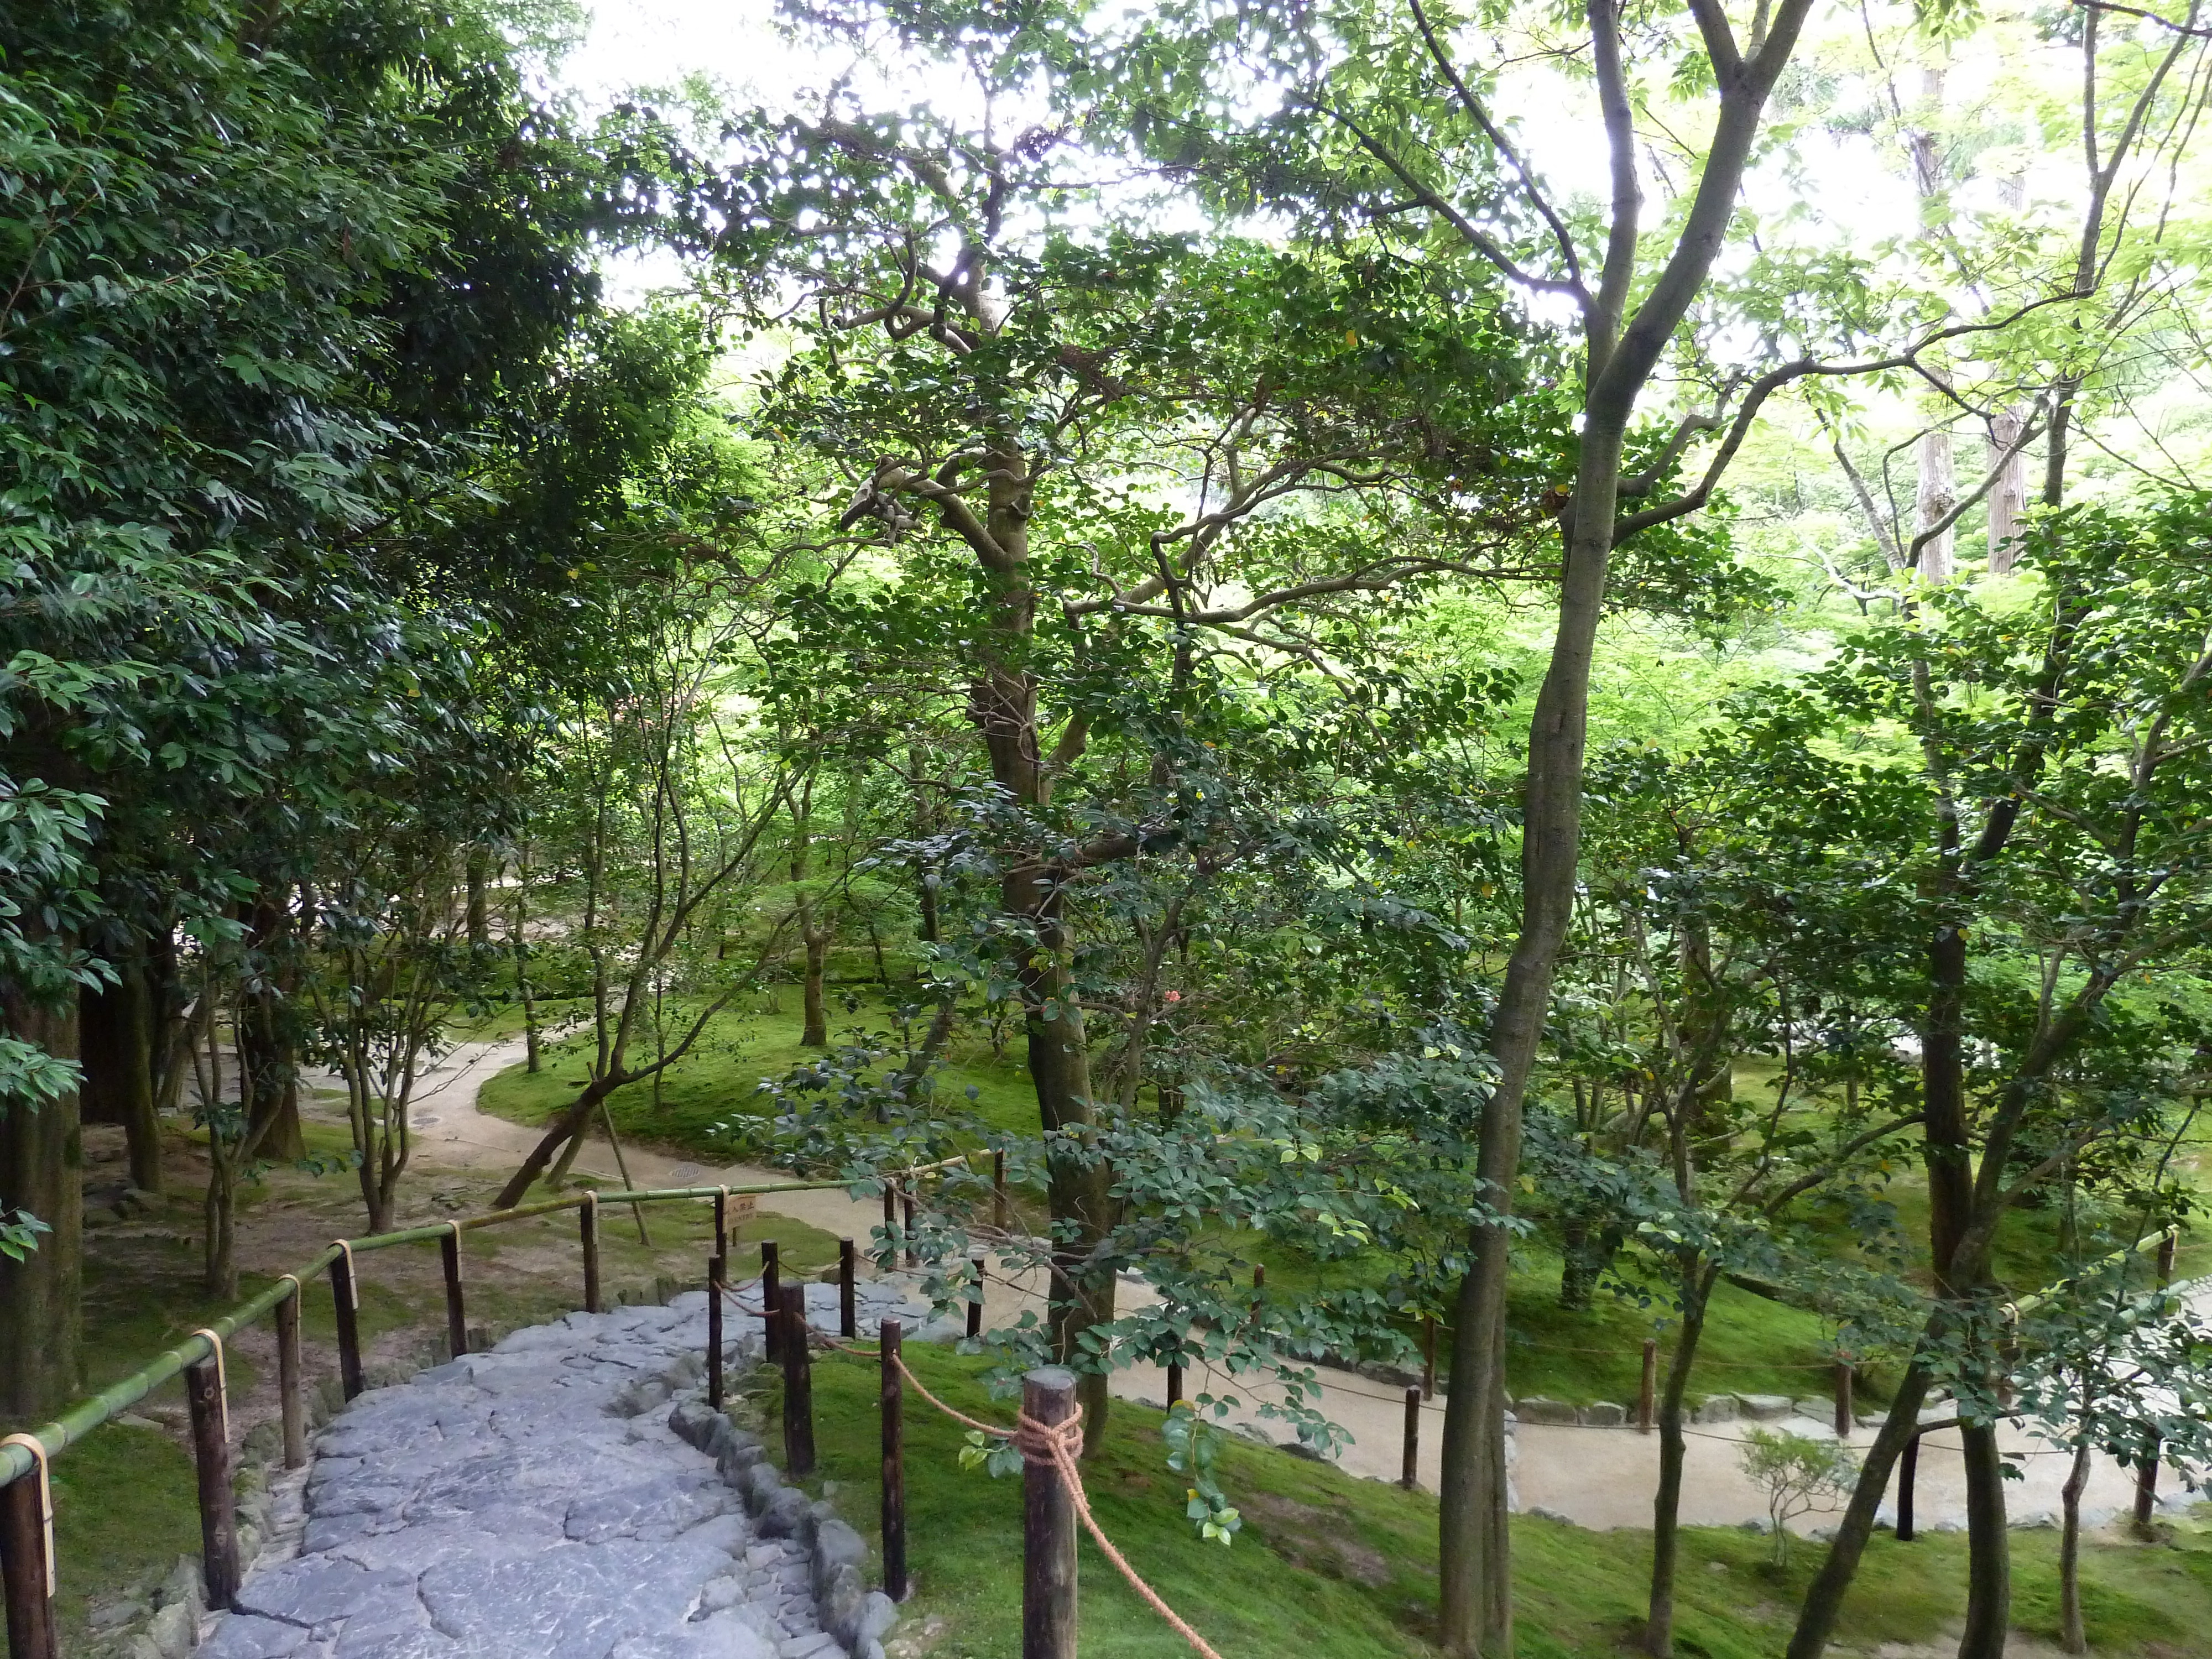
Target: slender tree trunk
x=1824, y=1598
x=267, y=1051
x=41, y=1173
x=816, y=1033
x=2072, y=1634
x=478, y=875
x=2008, y=498
x=1674, y=1447
x=1474, y=1548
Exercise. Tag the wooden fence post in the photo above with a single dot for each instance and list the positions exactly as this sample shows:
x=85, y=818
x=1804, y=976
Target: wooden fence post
x=27, y=1567
x=288, y=1380
x=1048, y=1525
x=798, y=1386
x=976, y=1302
x=722, y=1222
x=894, y=1508
x=1409, y=1467
x=1908, y=1467
x=771, y=1295
x=848, y=1314
x=457, y=1311
x=717, y=1266
x=342, y=1295
x=210, y=1412
x=1647, y=1394
x=1002, y=1212
x=587, y=1228
x=1844, y=1397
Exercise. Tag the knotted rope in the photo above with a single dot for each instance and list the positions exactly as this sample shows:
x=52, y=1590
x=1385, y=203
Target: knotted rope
x=1055, y=1445
x=37, y=1448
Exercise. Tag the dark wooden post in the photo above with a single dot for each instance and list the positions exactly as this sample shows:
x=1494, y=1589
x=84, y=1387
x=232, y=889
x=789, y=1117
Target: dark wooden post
x=798, y=1386
x=771, y=1294
x=976, y=1302
x=342, y=1295
x=1409, y=1467
x=1647, y=1394
x=1174, y=1384
x=890, y=1226
x=587, y=1227
x=1048, y=1525
x=288, y=1380
x=1002, y=1212
x=1428, y=1356
x=457, y=1310
x=203, y=1391
x=1908, y=1466
x=27, y=1567
x=848, y=1316
x=894, y=1511
x=722, y=1222
x=906, y=1209
x=1844, y=1397
x=716, y=1267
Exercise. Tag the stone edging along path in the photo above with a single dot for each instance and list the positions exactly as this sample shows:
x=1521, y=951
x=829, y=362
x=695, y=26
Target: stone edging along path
x=568, y=1492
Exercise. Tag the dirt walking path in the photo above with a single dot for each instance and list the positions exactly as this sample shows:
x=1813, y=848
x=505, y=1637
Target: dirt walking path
x=1596, y=1477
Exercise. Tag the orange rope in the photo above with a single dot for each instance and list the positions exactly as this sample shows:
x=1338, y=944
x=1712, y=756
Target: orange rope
x=1056, y=1441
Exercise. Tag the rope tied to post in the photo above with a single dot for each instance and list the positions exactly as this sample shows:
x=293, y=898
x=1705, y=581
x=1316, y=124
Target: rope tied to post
x=1055, y=1445
x=40, y=1456
x=222, y=1374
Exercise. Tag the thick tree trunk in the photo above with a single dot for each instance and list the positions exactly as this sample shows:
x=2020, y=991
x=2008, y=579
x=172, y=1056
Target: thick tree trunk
x=41, y=1173
x=116, y=1038
x=1989, y=1546
x=267, y=1045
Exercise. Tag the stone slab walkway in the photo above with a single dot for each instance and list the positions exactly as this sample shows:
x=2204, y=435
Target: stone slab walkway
x=534, y=1502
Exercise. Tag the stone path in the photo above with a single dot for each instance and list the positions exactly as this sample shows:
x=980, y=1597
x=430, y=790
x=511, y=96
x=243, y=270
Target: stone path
x=538, y=1500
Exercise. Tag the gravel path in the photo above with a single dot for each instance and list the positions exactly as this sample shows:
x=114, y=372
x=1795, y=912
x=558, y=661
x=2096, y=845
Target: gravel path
x=534, y=1501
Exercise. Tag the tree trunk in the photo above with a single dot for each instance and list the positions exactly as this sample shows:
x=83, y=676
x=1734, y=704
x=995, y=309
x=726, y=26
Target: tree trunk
x=1824, y=1596
x=2072, y=1636
x=478, y=876
x=816, y=1034
x=2009, y=497
x=267, y=1051
x=1666, y=1506
x=41, y=1173
x=1474, y=1547
x=117, y=1035
x=1989, y=1546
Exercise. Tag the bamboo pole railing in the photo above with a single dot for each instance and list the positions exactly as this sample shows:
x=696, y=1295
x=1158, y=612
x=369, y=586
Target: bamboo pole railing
x=27, y=1547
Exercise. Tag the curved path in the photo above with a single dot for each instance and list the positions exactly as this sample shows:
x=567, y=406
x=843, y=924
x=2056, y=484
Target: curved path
x=534, y=1501
x=1596, y=1477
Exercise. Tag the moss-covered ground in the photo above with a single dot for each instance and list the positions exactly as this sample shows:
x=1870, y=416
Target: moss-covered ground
x=1329, y=1565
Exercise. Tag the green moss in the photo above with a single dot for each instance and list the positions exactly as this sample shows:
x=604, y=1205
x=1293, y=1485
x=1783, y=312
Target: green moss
x=125, y=1506
x=1330, y=1565
x=720, y=1079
